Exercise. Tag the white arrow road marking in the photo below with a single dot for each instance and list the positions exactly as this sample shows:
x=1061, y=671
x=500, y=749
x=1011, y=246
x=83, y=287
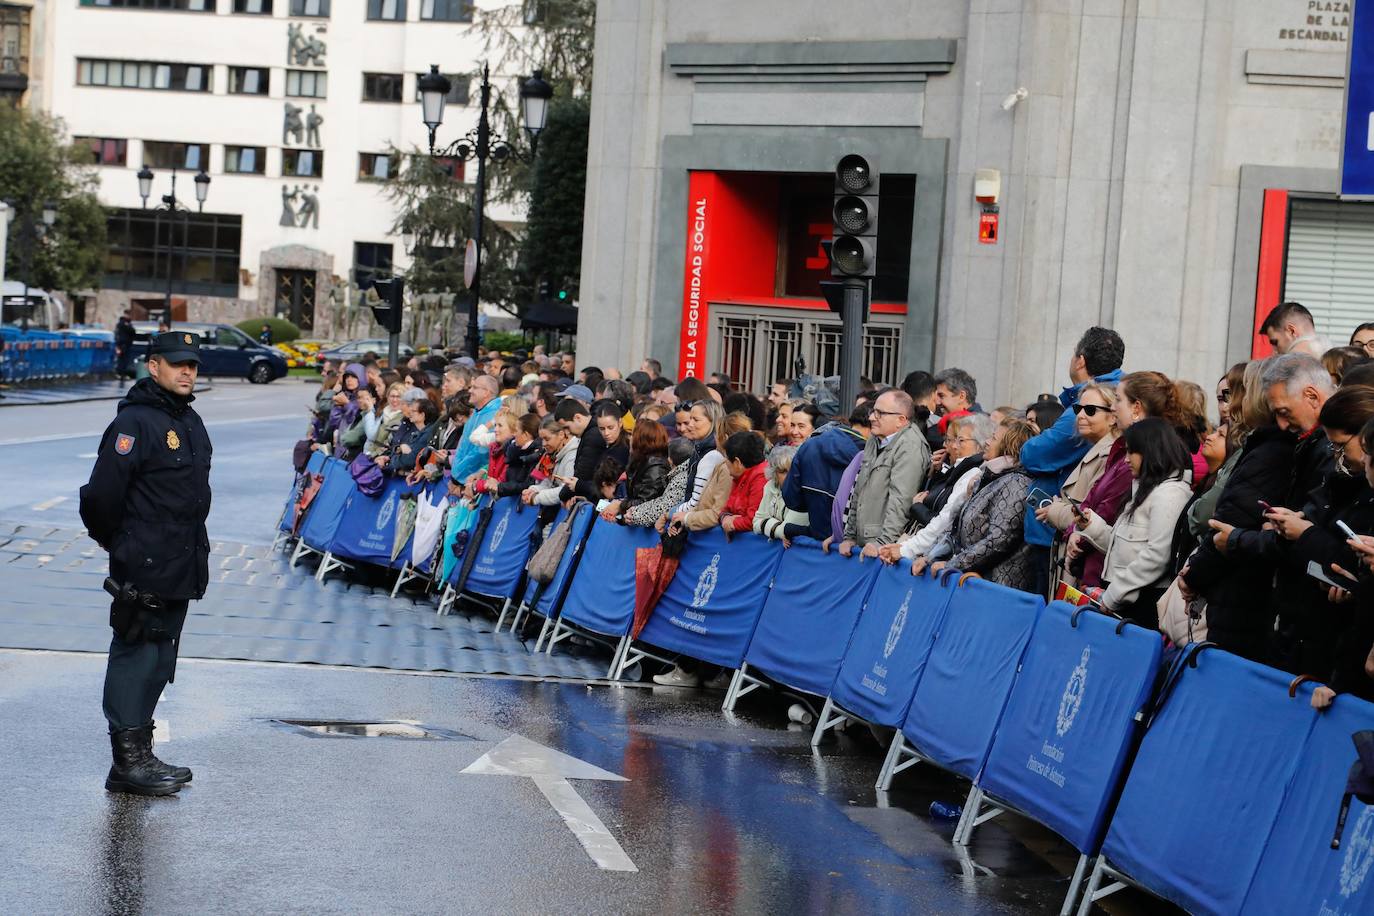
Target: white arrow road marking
x=47, y=504
x=551, y=770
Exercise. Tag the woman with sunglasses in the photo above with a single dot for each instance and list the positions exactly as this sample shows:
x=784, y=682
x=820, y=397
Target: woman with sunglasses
x=1095, y=423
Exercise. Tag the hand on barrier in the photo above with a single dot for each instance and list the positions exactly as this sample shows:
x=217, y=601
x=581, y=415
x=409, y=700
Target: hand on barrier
x=870, y=550
x=937, y=567
x=1322, y=697
x=825, y=544
x=846, y=549
x=918, y=565
x=890, y=553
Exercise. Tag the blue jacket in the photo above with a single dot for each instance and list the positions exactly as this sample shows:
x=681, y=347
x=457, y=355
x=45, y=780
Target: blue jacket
x=470, y=458
x=816, y=471
x=1050, y=456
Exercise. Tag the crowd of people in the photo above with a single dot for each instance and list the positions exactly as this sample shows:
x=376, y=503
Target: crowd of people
x=1244, y=523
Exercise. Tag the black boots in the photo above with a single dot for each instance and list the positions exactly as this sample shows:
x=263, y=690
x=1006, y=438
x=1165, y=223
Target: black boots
x=181, y=775
x=135, y=770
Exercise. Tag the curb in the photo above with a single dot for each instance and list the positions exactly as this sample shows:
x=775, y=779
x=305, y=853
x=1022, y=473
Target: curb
x=8, y=401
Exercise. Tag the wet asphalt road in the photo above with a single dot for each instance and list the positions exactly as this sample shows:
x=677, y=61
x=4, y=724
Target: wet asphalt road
x=719, y=815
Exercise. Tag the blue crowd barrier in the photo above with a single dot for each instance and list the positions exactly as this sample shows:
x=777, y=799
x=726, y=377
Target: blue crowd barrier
x=313, y=465
x=1070, y=725
x=546, y=599
x=1206, y=784
x=805, y=624
x=967, y=679
x=604, y=602
x=503, y=550
x=326, y=510
x=888, y=650
x=1298, y=869
x=46, y=355
x=367, y=531
x=710, y=608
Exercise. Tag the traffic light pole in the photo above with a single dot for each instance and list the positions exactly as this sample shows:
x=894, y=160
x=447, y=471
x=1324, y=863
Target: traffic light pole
x=854, y=312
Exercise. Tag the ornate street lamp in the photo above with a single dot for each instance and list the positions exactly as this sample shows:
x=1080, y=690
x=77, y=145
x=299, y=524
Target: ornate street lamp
x=174, y=208
x=481, y=144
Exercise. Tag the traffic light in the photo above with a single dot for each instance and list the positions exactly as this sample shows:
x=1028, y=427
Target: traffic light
x=385, y=298
x=854, y=250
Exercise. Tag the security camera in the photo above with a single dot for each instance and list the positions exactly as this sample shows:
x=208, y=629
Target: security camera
x=1010, y=101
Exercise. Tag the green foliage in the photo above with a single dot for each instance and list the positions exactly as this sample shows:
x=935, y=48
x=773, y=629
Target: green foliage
x=553, y=232
x=282, y=330
x=37, y=165
x=439, y=212
x=505, y=341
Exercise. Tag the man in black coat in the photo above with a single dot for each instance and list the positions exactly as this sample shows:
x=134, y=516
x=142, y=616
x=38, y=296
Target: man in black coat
x=123, y=344
x=146, y=504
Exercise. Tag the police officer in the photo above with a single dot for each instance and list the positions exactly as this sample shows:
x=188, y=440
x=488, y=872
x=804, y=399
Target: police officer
x=146, y=504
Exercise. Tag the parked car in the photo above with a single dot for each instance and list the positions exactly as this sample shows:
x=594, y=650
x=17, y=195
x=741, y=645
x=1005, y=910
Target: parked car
x=352, y=351
x=225, y=351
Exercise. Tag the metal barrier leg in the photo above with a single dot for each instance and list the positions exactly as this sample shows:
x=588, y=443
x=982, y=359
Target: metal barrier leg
x=899, y=757
x=826, y=721
x=1074, y=886
x=543, y=634
x=501, y=617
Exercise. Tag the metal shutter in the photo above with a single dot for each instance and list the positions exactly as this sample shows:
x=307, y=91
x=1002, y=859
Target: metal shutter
x=1330, y=266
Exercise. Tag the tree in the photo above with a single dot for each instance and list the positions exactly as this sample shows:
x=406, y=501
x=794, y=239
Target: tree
x=553, y=231
x=37, y=165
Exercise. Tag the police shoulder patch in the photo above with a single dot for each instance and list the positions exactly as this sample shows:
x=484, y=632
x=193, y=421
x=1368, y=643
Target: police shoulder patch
x=124, y=444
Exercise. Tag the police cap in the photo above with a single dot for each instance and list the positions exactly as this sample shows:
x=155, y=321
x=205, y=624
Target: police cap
x=176, y=346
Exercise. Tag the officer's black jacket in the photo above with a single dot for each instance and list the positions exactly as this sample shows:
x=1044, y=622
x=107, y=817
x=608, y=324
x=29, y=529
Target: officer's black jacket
x=149, y=494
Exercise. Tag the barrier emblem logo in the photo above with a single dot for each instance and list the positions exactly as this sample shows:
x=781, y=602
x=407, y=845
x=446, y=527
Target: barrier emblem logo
x=1073, y=695
x=499, y=533
x=1359, y=855
x=894, y=632
x=706, y=583
x=387, y=510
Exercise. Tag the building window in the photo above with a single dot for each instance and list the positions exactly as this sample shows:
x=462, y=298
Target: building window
x=446, y=10
x=14, y=50
x=371, y=261
x=302, y=163
x=387, y=10
x=374, y=167
x=248, y=80
x=456, y=168
x=204, y=250
x=307, y=84
x=189, y=6
x=458, y=91
x=104, y=150
x=382, y=87
x=129, y=74
x=319, y=8
x=158, y=154
x=757, y=346
x=255, y=7
x=245, y=160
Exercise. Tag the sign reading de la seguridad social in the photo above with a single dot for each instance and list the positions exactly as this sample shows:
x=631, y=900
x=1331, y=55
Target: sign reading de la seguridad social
x=1357, y=144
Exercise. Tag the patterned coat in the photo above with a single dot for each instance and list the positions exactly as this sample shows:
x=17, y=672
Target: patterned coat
x=989, y=536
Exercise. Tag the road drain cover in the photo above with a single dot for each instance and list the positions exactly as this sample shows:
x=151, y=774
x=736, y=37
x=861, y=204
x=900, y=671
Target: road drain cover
x=347, y=728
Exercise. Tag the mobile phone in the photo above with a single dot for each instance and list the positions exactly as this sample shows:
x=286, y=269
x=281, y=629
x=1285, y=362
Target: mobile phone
x=1348, y=532
x=1264, y=506
x=1076, y=505
x=1038, y=497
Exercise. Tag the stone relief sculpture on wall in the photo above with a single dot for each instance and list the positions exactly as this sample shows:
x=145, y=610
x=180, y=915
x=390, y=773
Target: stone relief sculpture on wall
x=306, y=214
x=291, y=126
x=303, y=50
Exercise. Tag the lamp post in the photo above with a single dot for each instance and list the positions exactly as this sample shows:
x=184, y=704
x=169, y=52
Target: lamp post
x=481, y=144
x=173, y=208
x=31, y=233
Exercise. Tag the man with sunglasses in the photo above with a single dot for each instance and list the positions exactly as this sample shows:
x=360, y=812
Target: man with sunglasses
x=1050, y=456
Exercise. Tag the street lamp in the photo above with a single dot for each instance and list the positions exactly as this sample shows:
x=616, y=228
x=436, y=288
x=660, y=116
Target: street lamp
x=174, y=208
x=481, y=144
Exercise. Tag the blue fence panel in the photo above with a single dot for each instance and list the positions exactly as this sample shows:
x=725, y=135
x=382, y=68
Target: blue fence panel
x=322, y=518
x=1061, y=749
x=504, y=549
x=1298, y=870
x=810, y=612
x=710, y=608
x=367, y=531
x=1204, y=789
x=969, y=674
x=888, y=650
x=602, y=595
x=553, y=593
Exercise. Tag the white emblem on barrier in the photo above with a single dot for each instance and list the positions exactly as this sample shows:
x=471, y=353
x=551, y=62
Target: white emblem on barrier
x=499, y=534
x=894, y=632
x=1073, y=695
x=1359, y=854
x=387, y=510
x=706, y=583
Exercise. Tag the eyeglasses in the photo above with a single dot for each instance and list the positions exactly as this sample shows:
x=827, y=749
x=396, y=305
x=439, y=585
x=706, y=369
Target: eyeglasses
x=1367, y=345
x=885, y=413
x=955, y=440
x=1089, y=409
x=1223, y=395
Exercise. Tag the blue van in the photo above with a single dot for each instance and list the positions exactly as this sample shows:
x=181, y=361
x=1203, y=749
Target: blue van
x=225, y=351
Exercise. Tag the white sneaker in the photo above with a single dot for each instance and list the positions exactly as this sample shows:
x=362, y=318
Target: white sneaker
x=678, y=678
x=721, y=681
